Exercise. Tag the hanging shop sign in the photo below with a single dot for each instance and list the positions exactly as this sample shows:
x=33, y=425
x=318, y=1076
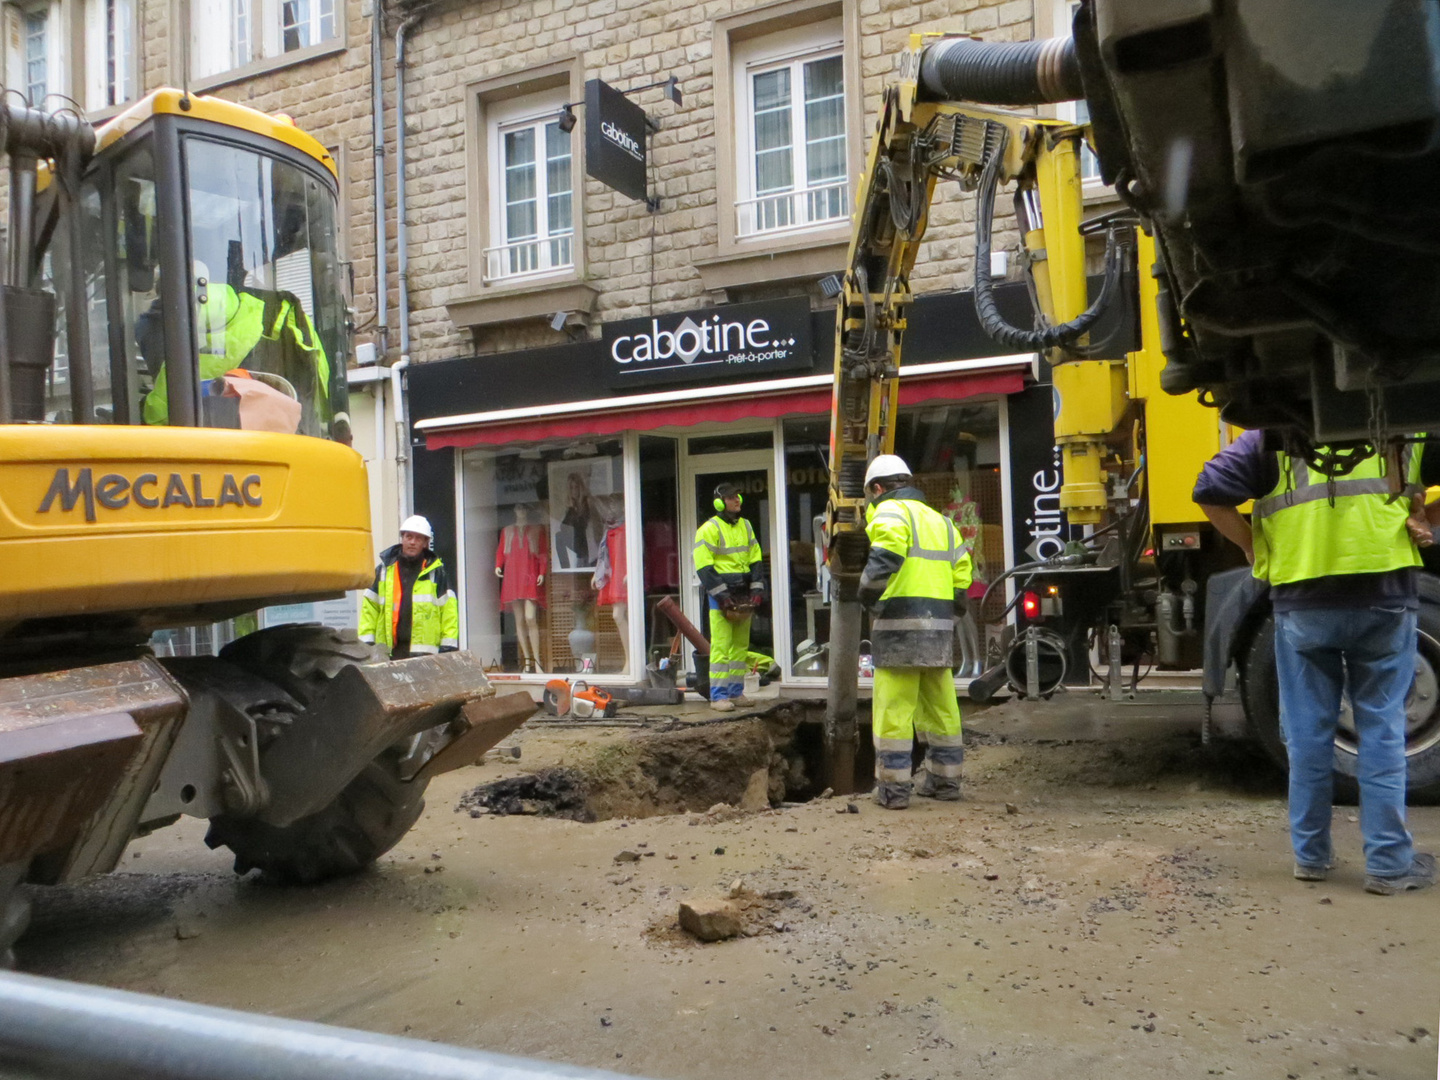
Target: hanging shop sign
x=614, y=139
x=737, y=341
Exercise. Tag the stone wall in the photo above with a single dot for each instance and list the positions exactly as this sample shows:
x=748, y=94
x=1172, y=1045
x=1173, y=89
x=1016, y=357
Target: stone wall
x=638, y=262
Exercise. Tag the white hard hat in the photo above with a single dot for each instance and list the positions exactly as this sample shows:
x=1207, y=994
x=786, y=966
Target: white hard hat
x=886, y=465
x=417, y=524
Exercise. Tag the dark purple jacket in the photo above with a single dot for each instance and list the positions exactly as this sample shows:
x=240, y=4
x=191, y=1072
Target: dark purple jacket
x=1246, y=470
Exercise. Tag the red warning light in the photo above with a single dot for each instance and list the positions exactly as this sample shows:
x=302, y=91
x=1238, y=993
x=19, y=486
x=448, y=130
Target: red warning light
x=1030, y=605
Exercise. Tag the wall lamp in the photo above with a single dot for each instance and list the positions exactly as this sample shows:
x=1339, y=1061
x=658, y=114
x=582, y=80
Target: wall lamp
x=568, y=117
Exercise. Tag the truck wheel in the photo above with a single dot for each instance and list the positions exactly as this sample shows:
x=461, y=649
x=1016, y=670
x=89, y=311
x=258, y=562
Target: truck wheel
x=1260, y=692
x=366, y=820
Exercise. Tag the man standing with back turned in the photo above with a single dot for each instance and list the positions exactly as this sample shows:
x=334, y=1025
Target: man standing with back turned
x=1341, y=560
x=914, y=583
x=727, y=562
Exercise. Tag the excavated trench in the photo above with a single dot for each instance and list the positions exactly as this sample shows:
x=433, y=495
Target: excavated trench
x=750, y=763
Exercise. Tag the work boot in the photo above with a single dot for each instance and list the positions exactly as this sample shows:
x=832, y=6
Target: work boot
x=892, y=796
x=743, y=702
x=1421, y=875
x=1312, y=873
x=770, y=674
x=723, y=705
x=942, y=788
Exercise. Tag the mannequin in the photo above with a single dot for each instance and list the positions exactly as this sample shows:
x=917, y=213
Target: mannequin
x=520, y=562
x=966, y=514
x=611, y=578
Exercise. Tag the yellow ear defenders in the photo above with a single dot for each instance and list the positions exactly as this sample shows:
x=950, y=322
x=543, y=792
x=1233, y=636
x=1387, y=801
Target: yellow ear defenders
x=719, y=503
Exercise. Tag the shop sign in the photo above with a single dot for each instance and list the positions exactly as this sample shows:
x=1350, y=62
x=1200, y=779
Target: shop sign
x=1042, y=530
x=738, y=341
x=614, y=139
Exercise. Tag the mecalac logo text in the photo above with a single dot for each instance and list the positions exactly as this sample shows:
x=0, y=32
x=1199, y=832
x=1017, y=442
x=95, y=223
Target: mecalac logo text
x=149, y=491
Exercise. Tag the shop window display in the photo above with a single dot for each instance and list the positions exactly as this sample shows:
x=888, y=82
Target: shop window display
x=555, y=597
x=954, y=451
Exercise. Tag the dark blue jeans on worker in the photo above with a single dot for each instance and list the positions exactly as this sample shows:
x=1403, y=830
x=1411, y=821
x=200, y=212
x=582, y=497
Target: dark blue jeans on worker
x=1320, y=653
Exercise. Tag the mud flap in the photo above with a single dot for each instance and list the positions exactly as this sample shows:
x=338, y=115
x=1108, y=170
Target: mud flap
x=359, y=713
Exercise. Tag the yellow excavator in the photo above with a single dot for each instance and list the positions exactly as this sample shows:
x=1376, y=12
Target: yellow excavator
x=1274, y=260
x=174, y=334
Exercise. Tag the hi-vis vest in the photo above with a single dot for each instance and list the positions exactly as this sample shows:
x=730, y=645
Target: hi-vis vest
x=915, y=622
x=229, y=327
x=434, y=609
x=1298, y=535
x=730, y=549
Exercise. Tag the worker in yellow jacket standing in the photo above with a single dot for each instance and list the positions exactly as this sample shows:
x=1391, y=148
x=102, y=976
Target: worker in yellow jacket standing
x=727, y=562
x=410, y=610
x=914, y=583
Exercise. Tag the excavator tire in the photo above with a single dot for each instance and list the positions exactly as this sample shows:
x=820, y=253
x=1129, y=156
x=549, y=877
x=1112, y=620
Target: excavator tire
x=1260, y=692
x=365, y=820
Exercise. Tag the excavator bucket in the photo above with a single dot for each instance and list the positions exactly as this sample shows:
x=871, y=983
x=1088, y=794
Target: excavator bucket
x=361, y=712
x=75, y=742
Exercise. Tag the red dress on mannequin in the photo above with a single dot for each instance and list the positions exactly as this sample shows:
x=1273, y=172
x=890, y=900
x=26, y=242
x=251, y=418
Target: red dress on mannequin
x=523, y=554
x=610, y=579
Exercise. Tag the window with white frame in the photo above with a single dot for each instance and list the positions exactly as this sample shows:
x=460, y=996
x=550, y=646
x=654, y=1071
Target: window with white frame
x=531, y=190
x=227, y=34
x=791, y=140
x=109, y=53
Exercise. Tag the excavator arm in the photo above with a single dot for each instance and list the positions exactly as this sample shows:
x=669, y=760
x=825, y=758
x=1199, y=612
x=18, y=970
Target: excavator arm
x=919, y=142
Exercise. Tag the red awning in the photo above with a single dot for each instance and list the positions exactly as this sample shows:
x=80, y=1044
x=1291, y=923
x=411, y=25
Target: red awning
x=709, y=410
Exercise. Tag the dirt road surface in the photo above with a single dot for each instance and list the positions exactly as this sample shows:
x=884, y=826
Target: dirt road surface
x=1110, y=900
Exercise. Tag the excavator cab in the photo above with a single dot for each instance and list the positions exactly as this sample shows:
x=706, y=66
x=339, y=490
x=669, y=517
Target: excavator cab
x=212, y=293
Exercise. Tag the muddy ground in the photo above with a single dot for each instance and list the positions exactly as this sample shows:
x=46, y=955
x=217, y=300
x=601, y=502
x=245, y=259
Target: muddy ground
x=1110, y=900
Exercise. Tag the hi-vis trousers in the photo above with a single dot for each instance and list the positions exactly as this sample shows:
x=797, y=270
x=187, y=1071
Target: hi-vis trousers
x=911, y=703
x=729, y=642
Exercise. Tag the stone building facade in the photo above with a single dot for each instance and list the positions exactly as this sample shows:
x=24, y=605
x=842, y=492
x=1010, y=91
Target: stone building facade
x=471, y=67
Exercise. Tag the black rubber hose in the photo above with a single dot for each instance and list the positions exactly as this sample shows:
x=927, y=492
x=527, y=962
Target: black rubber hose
x=986, y=308
x=1000, y=72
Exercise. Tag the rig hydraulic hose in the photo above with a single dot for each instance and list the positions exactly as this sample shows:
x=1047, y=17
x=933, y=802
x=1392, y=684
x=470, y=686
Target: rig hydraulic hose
x=991, y=321
x=1000, y=72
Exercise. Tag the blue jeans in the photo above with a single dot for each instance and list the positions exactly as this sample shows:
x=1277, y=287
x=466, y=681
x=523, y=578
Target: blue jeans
x=1315, y=650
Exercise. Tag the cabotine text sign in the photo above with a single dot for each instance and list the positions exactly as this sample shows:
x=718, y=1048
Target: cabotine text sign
x=614, y=139
x=738, y=341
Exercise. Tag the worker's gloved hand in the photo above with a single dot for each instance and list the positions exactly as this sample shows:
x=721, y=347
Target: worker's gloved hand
x=962, y=604
x=870, y=598
x=725, y=601
x=757, y=596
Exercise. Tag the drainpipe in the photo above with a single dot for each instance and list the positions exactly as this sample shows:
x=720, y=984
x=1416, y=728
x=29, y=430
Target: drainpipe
x=402, y=435
x=377, y=140
x=402, y=413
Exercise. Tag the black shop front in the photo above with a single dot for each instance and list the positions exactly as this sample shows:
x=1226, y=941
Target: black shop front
x=566, y=483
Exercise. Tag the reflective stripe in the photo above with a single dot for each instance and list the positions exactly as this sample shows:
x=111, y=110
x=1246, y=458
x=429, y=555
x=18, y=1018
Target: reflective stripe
x=945, y=770
x=424, y=648
x=915, y=551
x=880, y=625
x=934, y=738
x=891, y=745
x=368, y=639
x=372, y=596
x=450, y=643
x=1306, y=493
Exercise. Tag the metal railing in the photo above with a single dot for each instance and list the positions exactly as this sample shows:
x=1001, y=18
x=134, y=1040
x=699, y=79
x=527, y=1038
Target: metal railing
x=788, y=211
x=521, y=257
x=54, y=1030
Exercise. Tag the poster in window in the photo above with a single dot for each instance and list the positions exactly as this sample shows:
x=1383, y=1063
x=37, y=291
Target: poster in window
x=577, y=523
